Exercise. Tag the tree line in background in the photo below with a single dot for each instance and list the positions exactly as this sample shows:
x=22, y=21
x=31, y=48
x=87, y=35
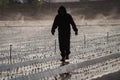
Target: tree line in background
x=6, y=3
x=36, y=3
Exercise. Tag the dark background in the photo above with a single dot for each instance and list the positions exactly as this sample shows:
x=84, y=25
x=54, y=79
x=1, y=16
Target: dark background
x=35, y=10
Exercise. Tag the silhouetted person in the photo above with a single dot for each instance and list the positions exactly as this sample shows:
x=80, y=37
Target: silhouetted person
x=62, y=21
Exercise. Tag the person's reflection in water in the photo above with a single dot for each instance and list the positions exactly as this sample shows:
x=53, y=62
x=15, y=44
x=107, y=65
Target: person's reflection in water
x=65, y=76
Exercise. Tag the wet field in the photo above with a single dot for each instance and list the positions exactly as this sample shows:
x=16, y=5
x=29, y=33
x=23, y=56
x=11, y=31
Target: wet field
x=34, y=54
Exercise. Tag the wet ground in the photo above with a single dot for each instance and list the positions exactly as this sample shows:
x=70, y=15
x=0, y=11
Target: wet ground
x=112, y=76
x=34, y=55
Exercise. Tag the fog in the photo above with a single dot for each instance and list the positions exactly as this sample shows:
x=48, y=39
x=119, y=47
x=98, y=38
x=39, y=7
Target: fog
x=80, y=10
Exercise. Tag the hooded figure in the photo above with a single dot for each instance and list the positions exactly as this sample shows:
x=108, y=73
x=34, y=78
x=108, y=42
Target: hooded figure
x=63, y=22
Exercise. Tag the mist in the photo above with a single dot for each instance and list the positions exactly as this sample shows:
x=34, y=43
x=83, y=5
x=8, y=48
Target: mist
x=82, y=12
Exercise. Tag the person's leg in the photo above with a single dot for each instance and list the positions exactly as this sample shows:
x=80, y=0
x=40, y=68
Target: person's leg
x=62, y=50
x=68, y=49
x=63, y=55
x=62, y=47
x=67, y=54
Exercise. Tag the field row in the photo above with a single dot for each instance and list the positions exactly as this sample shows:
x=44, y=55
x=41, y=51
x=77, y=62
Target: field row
x=87, y=69
x=34, y=50
x=46, y=63
x=44, y=59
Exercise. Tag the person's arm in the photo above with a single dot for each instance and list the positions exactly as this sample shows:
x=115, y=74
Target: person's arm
x=73, y=25
x=54, y=26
